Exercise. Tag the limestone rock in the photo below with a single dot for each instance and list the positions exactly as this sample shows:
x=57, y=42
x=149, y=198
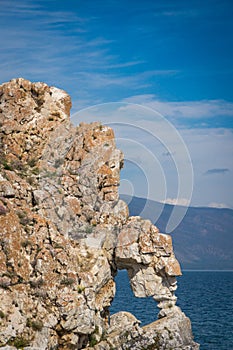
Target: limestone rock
x=64, y=233
x=172, y=332
x=148, y=256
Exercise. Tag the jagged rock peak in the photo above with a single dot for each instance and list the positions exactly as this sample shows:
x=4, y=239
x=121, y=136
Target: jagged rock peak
x=65, y=233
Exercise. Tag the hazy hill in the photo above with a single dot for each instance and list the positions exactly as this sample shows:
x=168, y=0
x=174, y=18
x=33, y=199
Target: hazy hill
x=203, y=240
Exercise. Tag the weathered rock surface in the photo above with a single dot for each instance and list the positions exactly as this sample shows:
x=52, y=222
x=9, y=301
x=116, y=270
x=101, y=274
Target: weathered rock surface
x=64, y=233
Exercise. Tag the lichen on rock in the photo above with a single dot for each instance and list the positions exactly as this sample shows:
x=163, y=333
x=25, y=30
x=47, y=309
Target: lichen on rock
x=65, y=233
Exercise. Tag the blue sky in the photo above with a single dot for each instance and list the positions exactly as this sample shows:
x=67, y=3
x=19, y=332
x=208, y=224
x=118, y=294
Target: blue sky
x=174, y=57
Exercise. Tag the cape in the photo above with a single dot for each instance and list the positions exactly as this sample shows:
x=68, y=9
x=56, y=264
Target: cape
x=64, y=234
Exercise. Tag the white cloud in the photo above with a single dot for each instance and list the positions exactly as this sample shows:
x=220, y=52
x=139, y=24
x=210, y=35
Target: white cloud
x=144, y=136
x=61, y=49
x=177, y=201
x=70, y=59
x=46, y=44
x=217, y=205
x=101, y=79
x=185, y=109
x=209, y=148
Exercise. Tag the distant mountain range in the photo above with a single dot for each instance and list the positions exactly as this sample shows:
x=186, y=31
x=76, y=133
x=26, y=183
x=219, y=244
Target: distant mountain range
x=204, y=238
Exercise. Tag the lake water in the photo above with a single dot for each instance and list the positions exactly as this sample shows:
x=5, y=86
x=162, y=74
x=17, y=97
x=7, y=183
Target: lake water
x=206, y=297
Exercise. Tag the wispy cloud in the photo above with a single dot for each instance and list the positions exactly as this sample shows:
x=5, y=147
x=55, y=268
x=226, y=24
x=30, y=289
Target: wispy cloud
x=125, y=64
x=179, y=13
x=60, y=48
x=25, y=8
x=39, y=47
x=210, y=149
x=101, y=79
x=217, y=171
x=185, y=109
x=86, y=52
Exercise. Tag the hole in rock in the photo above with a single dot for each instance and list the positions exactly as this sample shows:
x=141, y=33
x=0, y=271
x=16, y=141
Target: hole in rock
x=144, y=309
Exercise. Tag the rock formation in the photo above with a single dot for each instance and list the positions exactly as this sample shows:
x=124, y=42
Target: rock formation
x=64, y=233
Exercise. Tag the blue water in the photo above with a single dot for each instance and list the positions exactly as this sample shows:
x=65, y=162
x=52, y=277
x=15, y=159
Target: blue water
x=206, y=297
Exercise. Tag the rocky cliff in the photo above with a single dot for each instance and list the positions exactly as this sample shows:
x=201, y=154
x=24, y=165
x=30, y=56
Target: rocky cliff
x=64, y=233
